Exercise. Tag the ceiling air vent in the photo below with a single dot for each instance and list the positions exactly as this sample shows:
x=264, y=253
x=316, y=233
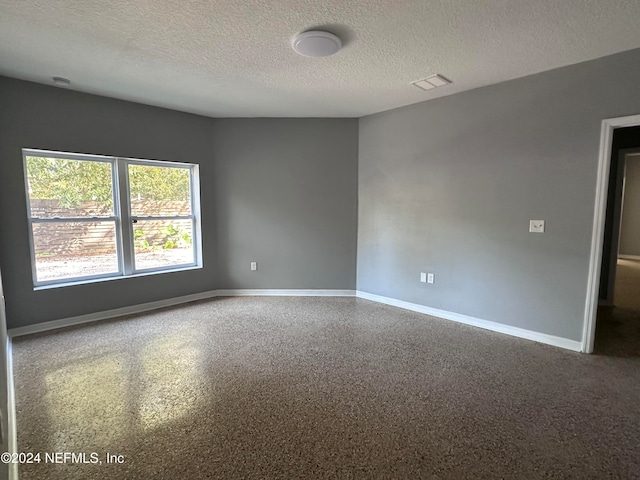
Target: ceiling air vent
x=431, y=82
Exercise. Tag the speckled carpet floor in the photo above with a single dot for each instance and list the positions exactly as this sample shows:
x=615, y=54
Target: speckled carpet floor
x=319, y=388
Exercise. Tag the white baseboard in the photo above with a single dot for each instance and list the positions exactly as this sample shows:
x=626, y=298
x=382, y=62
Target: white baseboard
x=476, y=322
x=145, y=307
x=246, y=292
x=118, y=312
x=629, y=257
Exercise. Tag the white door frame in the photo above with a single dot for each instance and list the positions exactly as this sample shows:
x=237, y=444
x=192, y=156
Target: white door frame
x=599, y=217
x=9, y=433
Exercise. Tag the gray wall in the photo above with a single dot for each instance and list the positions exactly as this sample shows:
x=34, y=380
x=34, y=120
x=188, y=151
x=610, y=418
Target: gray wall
x=286, y=197
x=449, y=186
x=630, y=231
x=446, y=186
x=303, y=235
x=38, y=116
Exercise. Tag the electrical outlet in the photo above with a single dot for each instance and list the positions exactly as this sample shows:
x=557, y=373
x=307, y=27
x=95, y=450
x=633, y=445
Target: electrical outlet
x=430, y=278
x=254, y=266
x=423, y=277
x=536, y=226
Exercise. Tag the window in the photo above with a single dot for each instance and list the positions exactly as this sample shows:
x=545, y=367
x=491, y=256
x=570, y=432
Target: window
x=94, y=217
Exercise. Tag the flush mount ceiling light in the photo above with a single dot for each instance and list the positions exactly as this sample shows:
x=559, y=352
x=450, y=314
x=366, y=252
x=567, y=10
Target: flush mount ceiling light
x=316, y=43
x=61, y=81
x=431, y=82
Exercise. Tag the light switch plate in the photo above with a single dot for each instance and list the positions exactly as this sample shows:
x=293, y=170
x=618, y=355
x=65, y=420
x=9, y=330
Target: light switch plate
x=423, y=277
x=536, y=226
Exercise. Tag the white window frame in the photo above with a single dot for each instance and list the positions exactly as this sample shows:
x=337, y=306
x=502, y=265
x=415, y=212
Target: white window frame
x=121, y=216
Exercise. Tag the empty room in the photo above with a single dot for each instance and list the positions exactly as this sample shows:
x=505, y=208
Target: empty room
x=319, y=239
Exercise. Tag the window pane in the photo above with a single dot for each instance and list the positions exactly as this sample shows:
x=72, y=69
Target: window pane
x=74, y=249
x=159, y=191
x=162, y=243
x=61, y=187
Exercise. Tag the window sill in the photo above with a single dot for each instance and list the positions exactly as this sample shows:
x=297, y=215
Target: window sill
x=74, y=283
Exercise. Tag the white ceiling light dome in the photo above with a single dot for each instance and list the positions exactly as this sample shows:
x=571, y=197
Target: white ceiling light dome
x=316, y=43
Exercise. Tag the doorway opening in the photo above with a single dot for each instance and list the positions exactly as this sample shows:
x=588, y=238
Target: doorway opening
x=612, y=313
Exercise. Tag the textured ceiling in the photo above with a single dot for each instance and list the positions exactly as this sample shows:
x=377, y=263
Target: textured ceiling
x=230, y=58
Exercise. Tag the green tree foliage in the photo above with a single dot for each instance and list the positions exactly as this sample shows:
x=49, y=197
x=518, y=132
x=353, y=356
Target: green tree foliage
x=76, y=181
x=69, y=181
x=158, y=183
